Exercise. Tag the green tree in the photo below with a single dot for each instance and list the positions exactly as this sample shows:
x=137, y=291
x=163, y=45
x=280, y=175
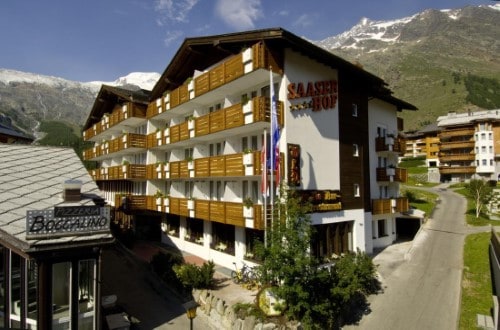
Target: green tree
x=479, y=191
x=319, y=297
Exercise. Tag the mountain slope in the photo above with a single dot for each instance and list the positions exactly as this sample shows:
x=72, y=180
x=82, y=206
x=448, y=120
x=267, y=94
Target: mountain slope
x=29, y=99
x=431, y=59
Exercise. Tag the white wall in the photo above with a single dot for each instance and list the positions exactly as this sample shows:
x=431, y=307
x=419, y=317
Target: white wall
x=317, y=133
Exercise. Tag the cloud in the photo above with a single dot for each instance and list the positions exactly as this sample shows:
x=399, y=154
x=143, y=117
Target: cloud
x=172, y=36
x=304, y=20
x=283, y=12
x=239, y=14
x=174, y=10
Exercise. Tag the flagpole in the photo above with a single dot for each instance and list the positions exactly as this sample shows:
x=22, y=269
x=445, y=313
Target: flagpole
x=264, y=184
x=272, y=146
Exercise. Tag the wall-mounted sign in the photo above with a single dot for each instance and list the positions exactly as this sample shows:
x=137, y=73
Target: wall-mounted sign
x=322, y=200
x=322, y=95
x=67, y=221
x=293, y=165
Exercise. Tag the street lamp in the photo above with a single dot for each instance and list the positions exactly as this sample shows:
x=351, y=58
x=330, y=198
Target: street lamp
x=190, y=308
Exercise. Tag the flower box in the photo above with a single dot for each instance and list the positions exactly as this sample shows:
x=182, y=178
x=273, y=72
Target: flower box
x=248, y=158
x=390, y=171
x=190, y=204
x=191, y=165
x=247, y=212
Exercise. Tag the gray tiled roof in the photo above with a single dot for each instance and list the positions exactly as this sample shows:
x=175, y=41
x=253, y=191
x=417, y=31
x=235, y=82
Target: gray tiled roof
x=31, y=178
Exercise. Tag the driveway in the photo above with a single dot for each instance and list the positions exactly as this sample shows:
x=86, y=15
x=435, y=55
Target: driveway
x=422, y=279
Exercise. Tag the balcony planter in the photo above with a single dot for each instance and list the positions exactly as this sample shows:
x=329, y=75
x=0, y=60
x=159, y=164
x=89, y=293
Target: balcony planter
x=191, y=123
x=158, y=135
x=248, y=118
x=190, y=165
x=390, y=171
x=248, y=158
x=166, y=132
x=159, y=201
x=190, y=204
x=247, y=107
x=166, y=201
x=249, y=223
x=191, y=89
x=159, y=167
x=389, y=140
x=248, y=208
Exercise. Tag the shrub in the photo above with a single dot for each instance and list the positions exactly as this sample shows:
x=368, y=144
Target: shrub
x=193, y=276
x=163, y=264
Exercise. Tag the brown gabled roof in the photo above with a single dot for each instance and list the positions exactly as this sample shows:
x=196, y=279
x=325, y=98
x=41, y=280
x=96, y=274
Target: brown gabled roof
x=109, y=96
x=201, y=52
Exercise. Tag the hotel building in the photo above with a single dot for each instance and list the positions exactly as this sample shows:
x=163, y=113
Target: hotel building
x=183, y=163
x=469, y=145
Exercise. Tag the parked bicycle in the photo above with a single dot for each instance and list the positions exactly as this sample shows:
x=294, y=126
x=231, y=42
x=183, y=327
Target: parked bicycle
x=244, y=275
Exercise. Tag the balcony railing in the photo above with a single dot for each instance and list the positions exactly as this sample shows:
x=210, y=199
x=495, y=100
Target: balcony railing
x=444, y=158
x=128, y=143
x=388, y=206
x=457, y=169
x=237, y=66
x=129, y=114
x=121, y=172
x=237, y=115
x=390, y=174
x=388, y=143
x=230, y=213
x=457, y=145
x=449, y=133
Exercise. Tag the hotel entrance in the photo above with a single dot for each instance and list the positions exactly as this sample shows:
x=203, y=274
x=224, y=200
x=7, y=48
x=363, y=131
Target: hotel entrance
x=330, y=239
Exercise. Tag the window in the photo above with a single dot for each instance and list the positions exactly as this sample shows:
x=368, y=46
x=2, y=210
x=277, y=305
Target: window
x=188, y=154
x=356, y=190
x=354, y=110
x=382, y=230
x=355, y=150
x=217, y=149
x=483, y=136
x=485, y=162
x=216, y=190
x=490, y=136
x=483, y=149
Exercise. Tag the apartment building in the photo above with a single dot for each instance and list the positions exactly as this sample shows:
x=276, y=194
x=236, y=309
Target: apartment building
x=184, y=163
x=423, y=143
x=469, y=145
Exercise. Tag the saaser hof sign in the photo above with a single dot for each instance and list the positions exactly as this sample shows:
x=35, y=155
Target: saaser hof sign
x=67, y=221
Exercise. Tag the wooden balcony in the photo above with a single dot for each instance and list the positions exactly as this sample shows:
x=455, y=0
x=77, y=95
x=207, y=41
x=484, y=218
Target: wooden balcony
x=457, y=169
x=456, y=132
x=256, y=110
x=457, y=145
x=121, y=172
x=224, y=212
x=391, y=144
x=128, y=114
x=389, y=174
x=389, y=206
x=444, y=158
x=128, y=143
x=231, y=70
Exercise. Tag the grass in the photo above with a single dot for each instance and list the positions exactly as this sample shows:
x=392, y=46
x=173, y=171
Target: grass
x=470, y=214
x=476, y=281
x=420, y=199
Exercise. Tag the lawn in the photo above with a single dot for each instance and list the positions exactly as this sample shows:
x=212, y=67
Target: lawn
x=420, y=199
x=470, y=214
x=476, y=280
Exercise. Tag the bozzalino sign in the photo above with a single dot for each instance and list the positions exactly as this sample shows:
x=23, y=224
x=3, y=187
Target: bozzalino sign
x=67, y=221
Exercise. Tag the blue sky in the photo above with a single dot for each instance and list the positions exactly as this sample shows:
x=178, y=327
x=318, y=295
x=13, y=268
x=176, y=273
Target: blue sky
x=105, y=39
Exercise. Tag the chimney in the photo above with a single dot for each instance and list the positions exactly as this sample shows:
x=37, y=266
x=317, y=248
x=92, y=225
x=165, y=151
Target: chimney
x=72, y=190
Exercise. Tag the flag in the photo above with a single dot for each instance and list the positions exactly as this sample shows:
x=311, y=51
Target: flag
x=263, y=161
x=275, y=132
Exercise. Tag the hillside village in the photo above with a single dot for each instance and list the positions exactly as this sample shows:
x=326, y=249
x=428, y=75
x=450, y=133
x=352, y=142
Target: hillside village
x=237, y=131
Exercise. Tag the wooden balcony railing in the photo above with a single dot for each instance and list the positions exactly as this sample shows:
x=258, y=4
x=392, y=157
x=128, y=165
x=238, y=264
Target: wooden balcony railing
x=128, y=141
x=457, y=169
x=457, y=145
x=121, y=172
x=233, y=116
x=390, y=174
x=251, y=59
x=444, y=158
x=388, y=206
x=387, y=143
x=230, y=213
x=121, y=114
x=449, y=133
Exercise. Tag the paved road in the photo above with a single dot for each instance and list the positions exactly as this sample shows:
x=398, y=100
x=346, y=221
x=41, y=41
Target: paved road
x=422, y=291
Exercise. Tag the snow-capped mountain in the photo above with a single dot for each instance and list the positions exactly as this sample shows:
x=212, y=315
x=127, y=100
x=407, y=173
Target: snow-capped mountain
x=144, y=80
x=388, y=32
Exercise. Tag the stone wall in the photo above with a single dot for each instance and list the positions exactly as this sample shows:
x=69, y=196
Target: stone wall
x=222, y=316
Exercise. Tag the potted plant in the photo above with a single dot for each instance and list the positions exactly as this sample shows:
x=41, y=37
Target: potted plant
x=159, y=197
x=190, y=163
x=191, y=122
x=248, y=207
